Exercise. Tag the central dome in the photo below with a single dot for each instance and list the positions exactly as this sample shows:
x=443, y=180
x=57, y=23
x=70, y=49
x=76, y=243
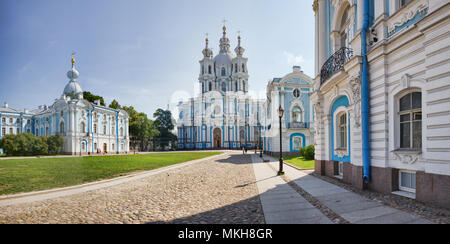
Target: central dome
x=223, y=59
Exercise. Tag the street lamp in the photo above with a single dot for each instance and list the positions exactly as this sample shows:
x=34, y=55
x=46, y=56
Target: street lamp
x=280, y=115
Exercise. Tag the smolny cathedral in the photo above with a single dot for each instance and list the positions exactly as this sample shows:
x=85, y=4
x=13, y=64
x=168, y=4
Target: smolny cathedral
x=225, y=116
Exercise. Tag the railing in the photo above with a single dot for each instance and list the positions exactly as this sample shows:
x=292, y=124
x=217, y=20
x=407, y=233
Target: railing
x=298, y=125
x=335, y=63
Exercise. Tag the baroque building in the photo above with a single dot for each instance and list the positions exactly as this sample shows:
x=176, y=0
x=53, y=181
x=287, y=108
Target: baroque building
x=87, y=128
x=223, y=115
x=292, y=94
x=381, y=95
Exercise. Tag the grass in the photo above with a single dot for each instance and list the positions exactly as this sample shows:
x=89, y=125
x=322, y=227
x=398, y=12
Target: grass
x=299, y=162
x=25, y=175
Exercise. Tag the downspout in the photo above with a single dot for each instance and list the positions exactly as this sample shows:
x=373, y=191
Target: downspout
x=365, y=97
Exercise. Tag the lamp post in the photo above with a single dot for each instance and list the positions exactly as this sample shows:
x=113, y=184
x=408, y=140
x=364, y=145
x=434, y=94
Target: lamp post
x=280, y=115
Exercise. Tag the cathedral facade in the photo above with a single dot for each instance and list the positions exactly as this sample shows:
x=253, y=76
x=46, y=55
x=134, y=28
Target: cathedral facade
x=223, y=115
x=87, y=128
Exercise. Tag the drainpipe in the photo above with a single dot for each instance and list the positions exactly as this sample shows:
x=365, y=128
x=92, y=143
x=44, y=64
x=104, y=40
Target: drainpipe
x=365, y=97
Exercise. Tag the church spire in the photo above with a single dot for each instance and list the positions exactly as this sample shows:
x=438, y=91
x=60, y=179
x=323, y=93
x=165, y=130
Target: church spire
x=239, y=50
x=224, y=41
x=207, y=52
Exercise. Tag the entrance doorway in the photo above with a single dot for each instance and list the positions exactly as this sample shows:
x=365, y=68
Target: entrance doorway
x=217, y=138
x=105, y=147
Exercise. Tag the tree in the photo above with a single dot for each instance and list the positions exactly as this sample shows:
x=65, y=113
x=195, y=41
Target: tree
x=141, y=128
x=55, y=144
x=114, y=104
x=92, y=98
x=164, y=124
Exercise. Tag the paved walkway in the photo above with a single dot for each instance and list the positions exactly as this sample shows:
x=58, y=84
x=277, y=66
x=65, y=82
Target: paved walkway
x=348, y=205
x=281, y=203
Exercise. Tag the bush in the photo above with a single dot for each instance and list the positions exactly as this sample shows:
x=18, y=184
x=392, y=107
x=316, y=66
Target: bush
x=27, y=144
x=302, y=151
x=309, y=152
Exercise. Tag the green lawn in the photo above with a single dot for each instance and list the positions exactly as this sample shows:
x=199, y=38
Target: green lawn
x=25, y=175
x=299, y=162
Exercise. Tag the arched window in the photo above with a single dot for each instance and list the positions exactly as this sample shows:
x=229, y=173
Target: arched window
x=37, y=132
x=104, y=130
x=345, y=29
x=121, y=131
x=203, y=69
x=113, y=130
x=61, y=127
x=341, y=131
x=46, y=131
x=297, y=115
x=236, y=86
x=223, y=72
x=82, y=127
x=224, y=87
x=209, y=69
x=243, y=67
x=203, y=87
x=210, y=88
x=236, y=68
x=3, y=131
x=95, y=128
x=410, y=117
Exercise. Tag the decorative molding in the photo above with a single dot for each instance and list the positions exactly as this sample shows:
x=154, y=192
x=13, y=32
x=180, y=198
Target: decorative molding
x=355, y=86
x=407, y=16
x=315, y=6
x=341, y=153
x=405, y=81
x=407, y=157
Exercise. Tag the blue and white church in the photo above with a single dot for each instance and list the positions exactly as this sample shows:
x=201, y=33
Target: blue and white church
x=223, y=115
x=87, y=128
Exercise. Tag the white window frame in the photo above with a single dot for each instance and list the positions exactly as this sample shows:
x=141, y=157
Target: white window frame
x=397, y=119
x=340, y=168
x=403, y=188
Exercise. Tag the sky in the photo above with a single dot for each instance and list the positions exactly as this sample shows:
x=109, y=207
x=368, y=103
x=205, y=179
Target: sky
x=143, y=53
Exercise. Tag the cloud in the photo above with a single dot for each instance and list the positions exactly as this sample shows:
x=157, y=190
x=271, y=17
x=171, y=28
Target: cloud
x=293, y=59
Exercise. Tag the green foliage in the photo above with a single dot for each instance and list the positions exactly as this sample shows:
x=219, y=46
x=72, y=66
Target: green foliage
x=302, y=151
x=91, y=98
x=309, y=152
x=114, y=104
x=141, y=128
x=55, y=144
x=27, y=144
x=164, y=124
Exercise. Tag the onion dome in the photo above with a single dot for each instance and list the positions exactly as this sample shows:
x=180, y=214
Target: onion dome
x=207, y=52
x=73, y=89
x=239, y=50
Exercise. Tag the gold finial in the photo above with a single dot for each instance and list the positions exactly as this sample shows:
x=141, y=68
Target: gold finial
x=73, y=58
x=224, y=27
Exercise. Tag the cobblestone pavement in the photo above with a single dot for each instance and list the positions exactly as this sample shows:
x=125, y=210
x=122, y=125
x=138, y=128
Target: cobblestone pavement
x=211, y=191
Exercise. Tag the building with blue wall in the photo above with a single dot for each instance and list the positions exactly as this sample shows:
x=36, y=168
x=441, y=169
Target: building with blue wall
x=292, y=94
x=87, y=127
x=381, y=95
